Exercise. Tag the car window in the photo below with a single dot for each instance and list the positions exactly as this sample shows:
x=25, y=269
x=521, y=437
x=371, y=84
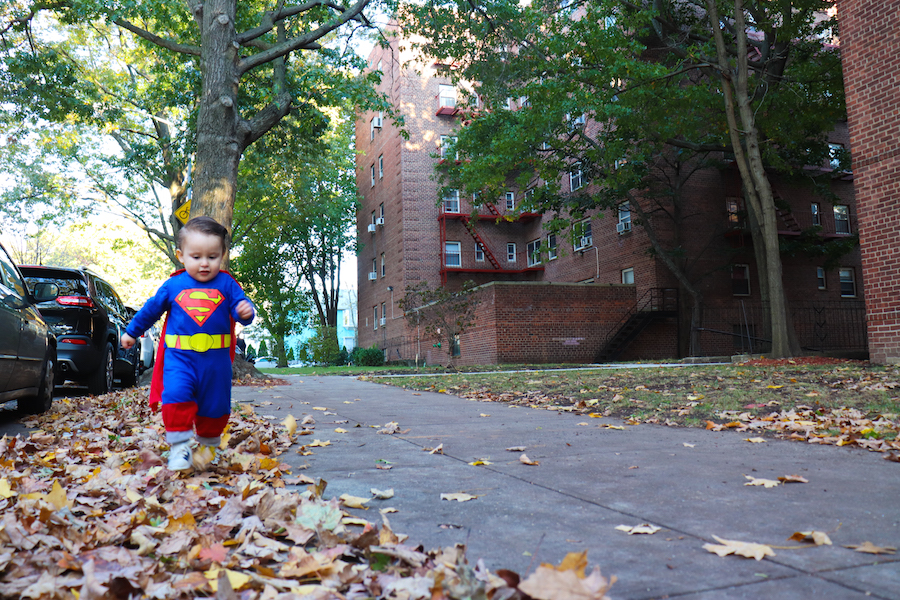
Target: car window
x=107, y=296
x=67, y=287
x=9, y=276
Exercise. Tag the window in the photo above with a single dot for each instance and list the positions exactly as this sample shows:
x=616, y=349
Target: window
x=583, y=238
x=551, y=246
x=447, y=96
x=576, y=177
x=534, y=253
x=381, y=210
x=452, y=254
x=820, y=277
x=372, y=129
x=578, y=121
x=510, y=253
x=454, y=345
x=624, y=224
x=374, y=272
x=451, y=201
x=372, y=173
x=835, y=154
x=382, y=264
x=740, y=280
x=375, y=317
x=628, y=275
x=447, y=143
x=479, y=253
x=848, y=282
x=510, y=201
x=735, y=214
x=373, y=217
x=383, y=314
x=841, y=218
x=816, y=214
x=381, y=167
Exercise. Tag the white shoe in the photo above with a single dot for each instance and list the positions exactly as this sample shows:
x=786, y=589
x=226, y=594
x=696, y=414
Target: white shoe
x=180, y=456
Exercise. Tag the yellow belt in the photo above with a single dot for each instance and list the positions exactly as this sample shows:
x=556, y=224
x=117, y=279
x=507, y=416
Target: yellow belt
x=199, y=342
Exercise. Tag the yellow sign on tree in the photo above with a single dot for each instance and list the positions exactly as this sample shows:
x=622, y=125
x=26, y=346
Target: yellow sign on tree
x=183, y=212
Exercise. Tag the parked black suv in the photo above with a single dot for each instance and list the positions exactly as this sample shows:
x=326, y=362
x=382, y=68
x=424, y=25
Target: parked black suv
x=88, y=319
x=27, y=347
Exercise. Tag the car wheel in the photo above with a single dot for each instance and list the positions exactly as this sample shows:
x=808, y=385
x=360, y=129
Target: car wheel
x=41, y=403
x=130, y=378
x=101, y=381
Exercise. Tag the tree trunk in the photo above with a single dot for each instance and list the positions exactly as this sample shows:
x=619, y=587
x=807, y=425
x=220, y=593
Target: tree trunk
x=749, y=160
x=220, y=139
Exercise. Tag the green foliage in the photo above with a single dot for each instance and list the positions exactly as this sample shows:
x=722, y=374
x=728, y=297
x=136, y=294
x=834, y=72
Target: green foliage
x=290, y=353
x=367, y=357
x=251, y=352
x=322, y=348
x=263, y=348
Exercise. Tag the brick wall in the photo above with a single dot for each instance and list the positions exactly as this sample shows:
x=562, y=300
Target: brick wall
x=870, y=38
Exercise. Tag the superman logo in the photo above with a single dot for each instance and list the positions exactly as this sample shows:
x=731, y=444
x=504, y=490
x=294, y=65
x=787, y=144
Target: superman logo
x=199, y=304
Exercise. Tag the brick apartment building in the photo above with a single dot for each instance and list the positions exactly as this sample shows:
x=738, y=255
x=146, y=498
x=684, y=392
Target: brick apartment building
x=596, y=294
x=870, y=36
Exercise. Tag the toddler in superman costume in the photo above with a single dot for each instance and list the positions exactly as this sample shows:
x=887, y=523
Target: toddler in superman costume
x=192, y=377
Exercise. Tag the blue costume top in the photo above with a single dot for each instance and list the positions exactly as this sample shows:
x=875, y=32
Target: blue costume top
x=195, y=351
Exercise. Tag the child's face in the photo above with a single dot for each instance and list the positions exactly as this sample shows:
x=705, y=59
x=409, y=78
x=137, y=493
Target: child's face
x=201, y=254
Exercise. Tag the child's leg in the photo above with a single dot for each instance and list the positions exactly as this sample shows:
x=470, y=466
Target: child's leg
x=214, y=399
x=179, y=410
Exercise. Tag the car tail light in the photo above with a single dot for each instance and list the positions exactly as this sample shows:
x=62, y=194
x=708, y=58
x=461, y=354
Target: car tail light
x=83, y=301
x=77, y=341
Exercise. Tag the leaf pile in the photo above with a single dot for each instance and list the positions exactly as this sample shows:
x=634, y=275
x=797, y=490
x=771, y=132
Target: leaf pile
x=90, y=511
x=839, y=427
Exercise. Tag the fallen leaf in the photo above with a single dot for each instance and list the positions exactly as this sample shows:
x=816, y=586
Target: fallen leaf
x=792, y=479
x=645, y=528
x=559, y=583
x=870, y=548
x=290, y=423
x=478, y=462
x=319, y=443
x=516, y=449
x=216, y=553
x=748, y=549
x=236, y=579
x=382, y=494
x=438, y=450
x=5, y=490
x=756, y=440
x=340, y=430
x=523, y=458
x=688, y=445
x=354, y=501
x=819, y=538
x=769, y=483
x=484, y=415
x=319, y=408
x=458, y=496
x=608, y=426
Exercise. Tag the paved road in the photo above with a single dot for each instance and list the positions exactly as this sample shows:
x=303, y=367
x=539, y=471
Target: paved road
x=590, y=480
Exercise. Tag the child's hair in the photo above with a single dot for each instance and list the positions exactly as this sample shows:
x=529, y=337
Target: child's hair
x=206, y=226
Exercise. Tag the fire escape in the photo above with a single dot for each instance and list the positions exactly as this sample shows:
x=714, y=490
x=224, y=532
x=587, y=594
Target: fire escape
x=466, y=219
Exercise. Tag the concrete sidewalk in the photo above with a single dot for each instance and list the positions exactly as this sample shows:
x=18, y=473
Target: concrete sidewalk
x=591, y=479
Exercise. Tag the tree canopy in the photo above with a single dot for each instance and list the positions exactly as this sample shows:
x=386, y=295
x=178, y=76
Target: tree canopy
x=144, y=98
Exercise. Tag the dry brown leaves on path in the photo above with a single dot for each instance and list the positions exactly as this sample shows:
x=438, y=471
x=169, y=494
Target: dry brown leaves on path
x=89, y=511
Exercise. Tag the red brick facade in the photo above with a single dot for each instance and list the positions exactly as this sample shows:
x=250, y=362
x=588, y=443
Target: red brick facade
x=870, y=39
x=533, y=312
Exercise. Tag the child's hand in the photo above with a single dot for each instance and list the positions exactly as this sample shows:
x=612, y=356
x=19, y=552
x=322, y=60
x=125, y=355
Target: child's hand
x=244, y=310
x=127, y=341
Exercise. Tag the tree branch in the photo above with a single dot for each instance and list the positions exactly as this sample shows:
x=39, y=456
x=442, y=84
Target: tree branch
x=306, y=41
x=159, y=41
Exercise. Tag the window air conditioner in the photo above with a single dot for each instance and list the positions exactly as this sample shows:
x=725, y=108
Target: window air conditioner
x=376, y=122
x=623, y=226
x=383, y=321
x=373, y=275
x=380, y=221
x=371, y=227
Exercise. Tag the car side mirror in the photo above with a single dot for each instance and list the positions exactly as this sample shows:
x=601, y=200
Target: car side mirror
x=44, y=292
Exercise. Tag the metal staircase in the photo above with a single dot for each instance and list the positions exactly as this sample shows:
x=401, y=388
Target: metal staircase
x=654, y=304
